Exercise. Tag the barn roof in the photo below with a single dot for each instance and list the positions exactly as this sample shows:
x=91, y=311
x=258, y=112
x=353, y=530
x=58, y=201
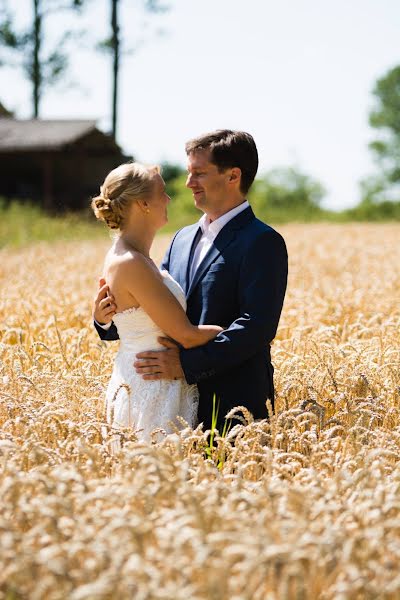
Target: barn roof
x=37, y=134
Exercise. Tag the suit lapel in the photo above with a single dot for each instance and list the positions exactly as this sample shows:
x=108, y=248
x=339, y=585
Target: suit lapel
x=225, y=236
x=186, y=248
x=220, y=242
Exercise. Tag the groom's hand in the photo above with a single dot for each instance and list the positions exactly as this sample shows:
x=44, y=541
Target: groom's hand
x=164, y=364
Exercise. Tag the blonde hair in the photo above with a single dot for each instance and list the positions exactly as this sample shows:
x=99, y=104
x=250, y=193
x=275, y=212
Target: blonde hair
x=122, y=186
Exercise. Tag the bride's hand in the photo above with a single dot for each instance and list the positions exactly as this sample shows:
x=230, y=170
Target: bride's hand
x=104, y=306
x=201, y=334
x=208, y=333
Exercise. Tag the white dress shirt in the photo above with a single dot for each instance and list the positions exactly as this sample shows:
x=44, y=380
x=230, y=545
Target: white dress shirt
x=210, y=232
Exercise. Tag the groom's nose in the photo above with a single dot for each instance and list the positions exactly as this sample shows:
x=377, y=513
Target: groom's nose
x=189, y=181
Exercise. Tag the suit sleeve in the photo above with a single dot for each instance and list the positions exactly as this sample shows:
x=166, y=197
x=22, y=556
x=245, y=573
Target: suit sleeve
x=261, y=289
x=107, y=335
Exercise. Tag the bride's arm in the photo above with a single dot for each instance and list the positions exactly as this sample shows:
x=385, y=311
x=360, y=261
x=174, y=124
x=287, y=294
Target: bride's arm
x=161, y=305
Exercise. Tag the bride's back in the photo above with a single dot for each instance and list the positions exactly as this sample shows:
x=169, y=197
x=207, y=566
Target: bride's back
x=117, y=262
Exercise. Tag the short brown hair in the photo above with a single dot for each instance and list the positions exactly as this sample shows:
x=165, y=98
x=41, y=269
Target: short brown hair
x=229, y=149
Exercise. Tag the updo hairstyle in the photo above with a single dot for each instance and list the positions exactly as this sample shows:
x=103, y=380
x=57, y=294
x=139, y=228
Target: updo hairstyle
x=122, y=186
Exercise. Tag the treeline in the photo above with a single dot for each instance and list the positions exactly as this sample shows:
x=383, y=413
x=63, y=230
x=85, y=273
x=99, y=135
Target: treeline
x=279, y=196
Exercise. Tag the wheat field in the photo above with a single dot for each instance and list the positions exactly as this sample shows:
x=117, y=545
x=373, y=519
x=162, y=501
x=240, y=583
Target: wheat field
x=306, y=506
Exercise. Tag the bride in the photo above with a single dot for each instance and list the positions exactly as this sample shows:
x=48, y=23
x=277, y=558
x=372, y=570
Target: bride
x=148, y=303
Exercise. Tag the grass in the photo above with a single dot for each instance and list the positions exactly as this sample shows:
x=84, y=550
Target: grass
x=219, y=459
x=305, y=506
x=23, y=224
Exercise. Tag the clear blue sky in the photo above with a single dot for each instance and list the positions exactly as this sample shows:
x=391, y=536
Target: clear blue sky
x=296, y=74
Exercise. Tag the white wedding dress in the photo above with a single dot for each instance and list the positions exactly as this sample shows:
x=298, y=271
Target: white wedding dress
x=135, y=402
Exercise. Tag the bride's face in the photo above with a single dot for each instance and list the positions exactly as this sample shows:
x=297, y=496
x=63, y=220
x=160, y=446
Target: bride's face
x=158, y=203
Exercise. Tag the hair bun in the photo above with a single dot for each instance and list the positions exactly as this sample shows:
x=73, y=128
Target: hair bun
x=103, y=209
x=122, y=186
x=101, y=202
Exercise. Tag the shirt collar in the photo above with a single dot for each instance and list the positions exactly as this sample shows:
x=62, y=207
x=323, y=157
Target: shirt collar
x=211, y=230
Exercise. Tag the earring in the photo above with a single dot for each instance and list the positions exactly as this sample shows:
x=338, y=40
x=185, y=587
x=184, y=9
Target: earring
x=148, y=210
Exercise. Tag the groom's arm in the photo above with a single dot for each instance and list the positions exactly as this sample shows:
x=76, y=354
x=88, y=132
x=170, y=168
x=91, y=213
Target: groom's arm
x=262, y=286
x=109, y=334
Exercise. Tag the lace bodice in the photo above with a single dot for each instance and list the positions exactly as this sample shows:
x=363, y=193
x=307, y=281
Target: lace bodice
x=137, y=331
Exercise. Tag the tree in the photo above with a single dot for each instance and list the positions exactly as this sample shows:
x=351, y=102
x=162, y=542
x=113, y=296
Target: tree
x=286, y=194
x=385, y=117
x=113, y=45
x=288, y=188
x=171, y=171
x=42, y=69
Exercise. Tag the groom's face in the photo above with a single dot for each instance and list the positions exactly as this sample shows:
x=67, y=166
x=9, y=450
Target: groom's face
x=208, y=185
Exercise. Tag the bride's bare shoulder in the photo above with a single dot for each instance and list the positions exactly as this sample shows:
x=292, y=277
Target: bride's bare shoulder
x=122, y=257
x=129, y=262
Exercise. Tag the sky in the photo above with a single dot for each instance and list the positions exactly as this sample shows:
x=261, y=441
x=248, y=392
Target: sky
x=296, y=74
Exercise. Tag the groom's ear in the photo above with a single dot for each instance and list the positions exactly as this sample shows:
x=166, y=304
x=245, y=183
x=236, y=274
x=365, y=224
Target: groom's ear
x=235, y=175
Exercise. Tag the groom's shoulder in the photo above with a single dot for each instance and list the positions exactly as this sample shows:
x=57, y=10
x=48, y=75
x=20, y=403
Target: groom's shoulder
x=257, y=228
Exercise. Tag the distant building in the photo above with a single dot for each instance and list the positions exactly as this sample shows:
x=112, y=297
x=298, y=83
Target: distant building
x=4, y=112
x=57, y=164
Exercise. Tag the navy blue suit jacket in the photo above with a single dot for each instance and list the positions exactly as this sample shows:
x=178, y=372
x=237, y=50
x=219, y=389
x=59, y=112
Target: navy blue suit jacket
x=239, y=285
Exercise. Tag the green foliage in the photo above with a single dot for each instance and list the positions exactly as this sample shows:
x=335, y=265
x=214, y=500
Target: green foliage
x=284, y=196
x=25, y=48
x=370, y=210
x=280, y=196
x=181, y=210
x=287, y=194
x=287, y=187
x=8, y=37
x=386, y=119
x=22, y=223
x=171, y=171
x=154, y=6
x=212, y=452
x=387, y=93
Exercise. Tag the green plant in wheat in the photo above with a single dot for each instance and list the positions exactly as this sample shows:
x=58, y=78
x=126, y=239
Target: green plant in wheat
x=209, y=450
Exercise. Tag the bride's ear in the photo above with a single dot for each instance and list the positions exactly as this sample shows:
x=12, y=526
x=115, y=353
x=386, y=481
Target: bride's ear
x=143, y=205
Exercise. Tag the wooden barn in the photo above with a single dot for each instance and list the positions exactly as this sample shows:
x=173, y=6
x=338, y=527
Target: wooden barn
x=58, y=164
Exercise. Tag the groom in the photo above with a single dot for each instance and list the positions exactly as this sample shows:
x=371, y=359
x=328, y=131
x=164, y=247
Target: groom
x=233, y=269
